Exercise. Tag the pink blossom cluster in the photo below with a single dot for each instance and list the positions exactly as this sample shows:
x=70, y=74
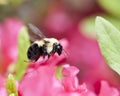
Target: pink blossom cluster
x=41, y=79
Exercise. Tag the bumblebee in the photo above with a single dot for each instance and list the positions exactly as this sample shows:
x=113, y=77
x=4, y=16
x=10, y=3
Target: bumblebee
x=44, y=47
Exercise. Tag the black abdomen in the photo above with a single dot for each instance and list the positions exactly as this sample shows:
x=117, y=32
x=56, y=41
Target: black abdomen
x=34, y=52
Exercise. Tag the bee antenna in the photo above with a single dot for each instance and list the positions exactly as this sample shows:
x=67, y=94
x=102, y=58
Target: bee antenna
x=65, y=53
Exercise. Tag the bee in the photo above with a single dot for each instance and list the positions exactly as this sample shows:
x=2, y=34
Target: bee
x=43, y=47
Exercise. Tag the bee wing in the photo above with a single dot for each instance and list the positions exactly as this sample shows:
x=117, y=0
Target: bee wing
x=36, y=31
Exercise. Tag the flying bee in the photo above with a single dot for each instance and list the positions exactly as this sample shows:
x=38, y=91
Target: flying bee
x=44, y=47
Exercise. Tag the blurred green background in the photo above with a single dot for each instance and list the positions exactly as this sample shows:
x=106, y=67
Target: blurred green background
x=56, y=17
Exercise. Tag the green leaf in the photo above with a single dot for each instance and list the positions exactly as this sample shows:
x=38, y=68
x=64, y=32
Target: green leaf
x=112, y=6
x=11, y=86
x=109, y=42
x=23, y=44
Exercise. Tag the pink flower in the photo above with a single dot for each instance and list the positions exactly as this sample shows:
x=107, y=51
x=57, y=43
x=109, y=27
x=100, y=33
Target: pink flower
x=9, y=30
x=70, y=81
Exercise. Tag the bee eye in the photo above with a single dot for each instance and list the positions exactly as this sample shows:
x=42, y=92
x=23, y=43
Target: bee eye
x=59, y=46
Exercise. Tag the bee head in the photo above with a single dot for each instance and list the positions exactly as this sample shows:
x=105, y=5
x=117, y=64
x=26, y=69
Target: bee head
x=59, y=49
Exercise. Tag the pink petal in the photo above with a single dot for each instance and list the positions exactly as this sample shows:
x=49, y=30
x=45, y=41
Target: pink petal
x=70, y=70
x=40, y=82
x=70, y=80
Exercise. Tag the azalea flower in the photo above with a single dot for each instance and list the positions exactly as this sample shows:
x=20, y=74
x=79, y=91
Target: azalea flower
x=44, y=82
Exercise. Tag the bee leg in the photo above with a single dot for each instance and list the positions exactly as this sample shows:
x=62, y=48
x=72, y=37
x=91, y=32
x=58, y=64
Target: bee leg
x=54, y=49
x=44, y=50
x=48, y=56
